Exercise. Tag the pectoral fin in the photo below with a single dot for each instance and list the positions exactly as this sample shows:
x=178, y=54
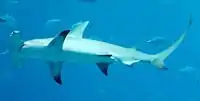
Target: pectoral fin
x=55, y=70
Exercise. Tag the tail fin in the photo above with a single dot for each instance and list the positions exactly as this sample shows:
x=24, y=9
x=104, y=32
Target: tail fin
x=158, y=61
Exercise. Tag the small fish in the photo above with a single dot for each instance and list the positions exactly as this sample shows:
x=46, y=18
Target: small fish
x=156, y=40
x=89, y=1
x=52, y=26
x=15, y=1
x=2, y=20
x=52, y=22
x=4, y=52
x=9, y=21
x=187, y=69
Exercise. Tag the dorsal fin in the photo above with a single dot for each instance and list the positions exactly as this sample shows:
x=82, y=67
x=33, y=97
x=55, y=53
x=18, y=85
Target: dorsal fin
x=58, y=40
x=78, y=29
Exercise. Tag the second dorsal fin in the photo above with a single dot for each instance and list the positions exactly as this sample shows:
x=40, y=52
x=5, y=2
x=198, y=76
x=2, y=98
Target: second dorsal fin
x=103, y=68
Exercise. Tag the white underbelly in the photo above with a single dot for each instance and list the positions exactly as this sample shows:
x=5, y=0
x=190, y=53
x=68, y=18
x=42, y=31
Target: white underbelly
x=65, y=56
x=83, y=58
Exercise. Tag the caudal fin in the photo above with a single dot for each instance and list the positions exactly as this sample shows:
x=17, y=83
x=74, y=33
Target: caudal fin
x=158, y=61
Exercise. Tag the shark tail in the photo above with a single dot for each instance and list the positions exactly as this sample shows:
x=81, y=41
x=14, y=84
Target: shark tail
x=159, y=58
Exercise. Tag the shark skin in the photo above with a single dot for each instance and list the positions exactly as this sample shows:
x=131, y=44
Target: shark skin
x=70, y=46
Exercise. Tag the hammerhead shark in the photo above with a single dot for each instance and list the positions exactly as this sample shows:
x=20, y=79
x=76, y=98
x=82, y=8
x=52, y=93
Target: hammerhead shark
x=72, y=46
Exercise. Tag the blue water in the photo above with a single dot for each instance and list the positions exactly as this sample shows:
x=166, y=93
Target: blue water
x=124, y=22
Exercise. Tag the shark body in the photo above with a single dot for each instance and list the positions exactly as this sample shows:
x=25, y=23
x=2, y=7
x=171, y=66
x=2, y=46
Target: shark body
x=71, y=46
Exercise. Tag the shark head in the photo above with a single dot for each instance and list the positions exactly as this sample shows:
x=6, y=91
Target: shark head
x=15, y=41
